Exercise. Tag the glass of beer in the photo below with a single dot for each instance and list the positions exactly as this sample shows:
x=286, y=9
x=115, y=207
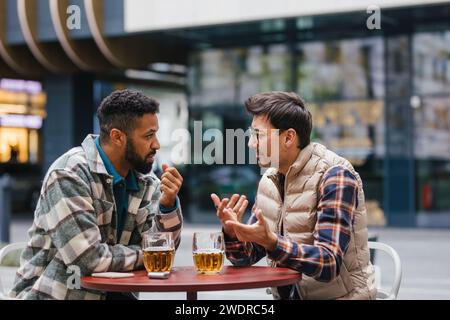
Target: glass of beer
x=159, y=253
x=208, y=252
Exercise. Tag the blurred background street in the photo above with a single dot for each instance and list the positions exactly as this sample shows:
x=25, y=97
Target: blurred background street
x=375, y=75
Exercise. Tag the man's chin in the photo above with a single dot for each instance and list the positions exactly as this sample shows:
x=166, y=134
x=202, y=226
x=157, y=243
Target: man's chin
x=264, y=164
x=145, y=169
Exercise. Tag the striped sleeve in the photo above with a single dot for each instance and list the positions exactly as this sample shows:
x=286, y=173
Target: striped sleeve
x=243, y=253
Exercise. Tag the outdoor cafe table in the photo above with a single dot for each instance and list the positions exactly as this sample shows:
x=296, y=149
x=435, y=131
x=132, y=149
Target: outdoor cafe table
x=186, y=279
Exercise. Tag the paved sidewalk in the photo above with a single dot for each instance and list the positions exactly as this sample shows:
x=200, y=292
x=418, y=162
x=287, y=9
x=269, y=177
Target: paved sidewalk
x=425, y=254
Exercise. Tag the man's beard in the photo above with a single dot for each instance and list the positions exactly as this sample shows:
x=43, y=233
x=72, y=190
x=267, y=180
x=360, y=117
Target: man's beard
x=137, y=163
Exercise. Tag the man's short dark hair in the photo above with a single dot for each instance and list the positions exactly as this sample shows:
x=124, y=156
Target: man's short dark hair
x=121, y=109
x=284, y=110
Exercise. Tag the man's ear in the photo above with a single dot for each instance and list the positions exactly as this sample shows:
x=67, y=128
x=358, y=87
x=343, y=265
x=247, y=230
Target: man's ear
x=117, y=137
x=290, y=138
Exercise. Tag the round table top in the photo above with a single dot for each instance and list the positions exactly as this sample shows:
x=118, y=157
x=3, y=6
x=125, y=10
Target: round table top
x=186, y=279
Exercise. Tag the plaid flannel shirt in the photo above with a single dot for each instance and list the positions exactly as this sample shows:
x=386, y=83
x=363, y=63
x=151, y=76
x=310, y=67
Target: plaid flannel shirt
x=321, y=260
x=75, y=227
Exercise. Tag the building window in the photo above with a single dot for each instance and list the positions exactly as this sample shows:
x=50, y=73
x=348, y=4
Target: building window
x=22, y=112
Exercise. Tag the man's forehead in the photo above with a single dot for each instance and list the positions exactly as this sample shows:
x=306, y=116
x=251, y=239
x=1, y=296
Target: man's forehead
x=148, y=122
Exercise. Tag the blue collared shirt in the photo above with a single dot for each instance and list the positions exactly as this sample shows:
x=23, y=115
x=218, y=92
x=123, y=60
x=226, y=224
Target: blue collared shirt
x=121, y=188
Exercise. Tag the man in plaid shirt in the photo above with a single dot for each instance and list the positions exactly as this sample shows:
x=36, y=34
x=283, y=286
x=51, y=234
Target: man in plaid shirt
x=96, y=202
x=309, y=213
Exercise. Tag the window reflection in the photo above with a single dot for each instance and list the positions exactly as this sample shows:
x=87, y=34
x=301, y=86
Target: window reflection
x=353, y=129
x=432, y=152
x=432, y=62
x=230, y=76
x=431, y=56
x=344, y=83
x=346, y=69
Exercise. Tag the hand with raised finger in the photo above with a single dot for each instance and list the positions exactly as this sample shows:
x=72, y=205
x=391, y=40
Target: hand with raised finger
x=171, y=181
x=239, y=207
x=229, y=209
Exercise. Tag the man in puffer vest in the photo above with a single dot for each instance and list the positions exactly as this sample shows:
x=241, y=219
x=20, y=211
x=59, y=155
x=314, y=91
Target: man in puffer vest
x=309, y=214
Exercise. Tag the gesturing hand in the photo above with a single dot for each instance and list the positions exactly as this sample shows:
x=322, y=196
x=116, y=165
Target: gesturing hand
x=258, y=232
x=171, y=181
x=235, y=210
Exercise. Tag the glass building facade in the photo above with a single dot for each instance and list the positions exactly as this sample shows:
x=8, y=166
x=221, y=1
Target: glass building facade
x=380, y=99
x=431, y=81
x=342, y=82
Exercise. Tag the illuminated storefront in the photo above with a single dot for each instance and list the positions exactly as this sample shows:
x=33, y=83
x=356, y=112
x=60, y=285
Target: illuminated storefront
x=22, y=114
x=22, y=111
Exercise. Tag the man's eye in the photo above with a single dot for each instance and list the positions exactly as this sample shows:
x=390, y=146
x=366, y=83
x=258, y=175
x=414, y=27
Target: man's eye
x=149, y=136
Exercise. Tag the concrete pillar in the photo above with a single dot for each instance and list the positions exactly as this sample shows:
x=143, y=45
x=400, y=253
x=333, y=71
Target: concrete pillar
x=399, y=182
x=5, y=207
x=69, y=114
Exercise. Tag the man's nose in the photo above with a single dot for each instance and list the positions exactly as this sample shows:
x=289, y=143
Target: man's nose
x=155, y=145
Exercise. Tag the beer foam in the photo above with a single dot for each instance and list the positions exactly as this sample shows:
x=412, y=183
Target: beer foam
x=153, y=249
x=198, y=251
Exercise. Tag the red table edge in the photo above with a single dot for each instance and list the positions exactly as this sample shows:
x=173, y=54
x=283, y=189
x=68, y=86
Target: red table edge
x=293, y=278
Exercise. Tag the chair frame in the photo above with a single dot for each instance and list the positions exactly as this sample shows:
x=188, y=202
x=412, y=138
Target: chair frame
x=392, y=294
x=3, y=252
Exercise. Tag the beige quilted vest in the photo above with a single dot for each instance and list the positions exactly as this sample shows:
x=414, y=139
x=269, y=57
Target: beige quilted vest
x=297, y=217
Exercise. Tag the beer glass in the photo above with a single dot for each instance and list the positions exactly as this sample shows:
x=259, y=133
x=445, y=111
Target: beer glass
x=208, y=252
x=159, y=253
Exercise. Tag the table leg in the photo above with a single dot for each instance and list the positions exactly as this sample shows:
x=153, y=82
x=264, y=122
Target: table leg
x=191, y=295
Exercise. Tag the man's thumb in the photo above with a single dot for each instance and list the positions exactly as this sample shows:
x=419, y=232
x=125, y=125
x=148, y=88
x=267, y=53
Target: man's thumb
x=230, y=223
x=164, y=167
x=259, y=216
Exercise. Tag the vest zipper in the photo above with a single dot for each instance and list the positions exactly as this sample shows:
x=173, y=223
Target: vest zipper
x=282, y=207
x=279, y=227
